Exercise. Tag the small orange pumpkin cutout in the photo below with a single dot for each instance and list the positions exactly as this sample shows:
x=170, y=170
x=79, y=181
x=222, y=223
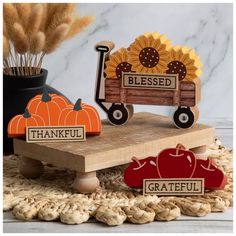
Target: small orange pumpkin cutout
x=81, y=114
x=48, y=106
x=17, y=125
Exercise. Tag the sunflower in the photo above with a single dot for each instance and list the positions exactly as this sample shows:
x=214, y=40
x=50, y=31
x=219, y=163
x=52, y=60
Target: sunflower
x=149, y=53
x=118, y=63
x=184, y=62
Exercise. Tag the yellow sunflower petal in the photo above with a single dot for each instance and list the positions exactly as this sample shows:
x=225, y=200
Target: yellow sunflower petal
x=117, y=63
x=147, y=51
x=184, y=62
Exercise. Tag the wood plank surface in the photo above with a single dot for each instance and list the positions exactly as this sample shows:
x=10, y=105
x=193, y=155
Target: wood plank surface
x=212, y=223
x=150, y=93
x=187, y=102
x=187, y=85
x=184, y=85
x=112, y=83
x=164, y=101
x=187, y=95
x=144, y=135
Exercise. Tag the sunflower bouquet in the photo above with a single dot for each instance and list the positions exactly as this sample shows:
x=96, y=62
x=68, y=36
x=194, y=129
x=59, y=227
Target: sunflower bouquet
x=152, y=53
x=31, y=31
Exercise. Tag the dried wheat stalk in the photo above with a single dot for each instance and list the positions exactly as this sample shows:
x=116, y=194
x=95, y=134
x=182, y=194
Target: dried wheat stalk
x=32, y=31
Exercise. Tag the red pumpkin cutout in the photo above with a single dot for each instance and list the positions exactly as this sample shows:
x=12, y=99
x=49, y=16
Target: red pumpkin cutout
x=48, y=106
x=81, y=114
x=17, y=125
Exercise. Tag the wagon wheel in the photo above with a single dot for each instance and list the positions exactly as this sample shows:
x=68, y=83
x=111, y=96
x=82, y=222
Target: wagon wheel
x=118, y=114
x=131, y=110
x=184, y=117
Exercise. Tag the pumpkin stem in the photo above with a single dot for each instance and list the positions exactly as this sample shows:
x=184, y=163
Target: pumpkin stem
x=26, y=114
x=46, y=97
x=77, y=105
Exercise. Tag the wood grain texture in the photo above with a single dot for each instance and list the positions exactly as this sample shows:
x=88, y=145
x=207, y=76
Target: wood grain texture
x=187, y=95
x=112, y=83
x=189, y=102
x=150, y=93
x=145, y=135
x=187, y=85
x=150, y=100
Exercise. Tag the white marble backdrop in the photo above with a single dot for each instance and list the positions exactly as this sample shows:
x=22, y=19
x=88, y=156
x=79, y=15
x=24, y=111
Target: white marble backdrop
x=204, y=27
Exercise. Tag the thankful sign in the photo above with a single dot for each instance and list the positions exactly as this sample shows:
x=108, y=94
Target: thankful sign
x=55, y=134
x=150, y=81
x=173, y=186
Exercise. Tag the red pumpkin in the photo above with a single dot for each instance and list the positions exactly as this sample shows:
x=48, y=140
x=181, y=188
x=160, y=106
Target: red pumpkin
x=17, y=125
x=48, y=106
x=81, y=114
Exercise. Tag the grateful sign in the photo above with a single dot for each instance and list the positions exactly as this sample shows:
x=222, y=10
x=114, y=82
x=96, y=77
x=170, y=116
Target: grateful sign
x=150, y=81
x=55, y=134
x=193, y=186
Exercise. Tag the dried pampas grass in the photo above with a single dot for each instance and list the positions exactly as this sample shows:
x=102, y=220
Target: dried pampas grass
x=19, y=39
x=62, y=15
x=79, y=24
x=44, y=17
x=6, y=48
x=57, y=36
x=37, y=43
x=24, y=10
x=5, y=33
x=32, y=30
x=10, y=16
x=35, y=20
x=52, y=9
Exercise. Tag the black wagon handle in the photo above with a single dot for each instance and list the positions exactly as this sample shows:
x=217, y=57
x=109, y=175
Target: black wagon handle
x=104, y=46
x=104, y=49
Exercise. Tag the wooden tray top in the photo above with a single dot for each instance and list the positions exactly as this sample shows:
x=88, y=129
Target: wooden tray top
x=144, y=135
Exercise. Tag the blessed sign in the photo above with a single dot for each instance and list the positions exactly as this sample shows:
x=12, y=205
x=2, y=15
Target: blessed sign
x=150, y=81
x=192, y=186
x=55, y=134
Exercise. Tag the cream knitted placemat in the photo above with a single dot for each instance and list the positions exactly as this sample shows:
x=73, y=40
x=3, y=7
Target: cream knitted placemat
x=51, y=197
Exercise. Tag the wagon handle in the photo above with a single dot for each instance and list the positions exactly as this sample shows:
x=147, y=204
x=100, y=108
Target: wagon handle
x=104, y=46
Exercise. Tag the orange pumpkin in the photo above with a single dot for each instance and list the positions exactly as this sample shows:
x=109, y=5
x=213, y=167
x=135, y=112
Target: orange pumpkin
x=48, y=106
x=81, y=114
x=16, y=126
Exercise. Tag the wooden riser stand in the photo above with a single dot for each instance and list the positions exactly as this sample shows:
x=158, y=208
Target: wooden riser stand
x=145, y=135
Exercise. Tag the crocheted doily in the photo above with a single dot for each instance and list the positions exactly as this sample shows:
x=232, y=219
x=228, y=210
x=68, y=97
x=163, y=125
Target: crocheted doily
x=51, y=197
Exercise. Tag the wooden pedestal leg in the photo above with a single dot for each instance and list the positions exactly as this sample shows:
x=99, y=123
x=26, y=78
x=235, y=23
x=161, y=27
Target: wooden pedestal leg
x=30, y=168
x=85, y=182
x=200, y=152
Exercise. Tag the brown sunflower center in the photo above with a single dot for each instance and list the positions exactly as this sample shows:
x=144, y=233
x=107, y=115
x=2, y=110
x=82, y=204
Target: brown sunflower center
x=177, y=67
x=123, y=66
x=149, y=57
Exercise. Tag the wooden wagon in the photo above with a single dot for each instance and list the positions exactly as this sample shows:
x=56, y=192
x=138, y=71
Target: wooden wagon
x=117, y=96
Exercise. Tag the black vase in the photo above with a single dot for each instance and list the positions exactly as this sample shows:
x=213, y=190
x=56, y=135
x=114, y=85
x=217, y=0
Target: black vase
x=17, y=91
